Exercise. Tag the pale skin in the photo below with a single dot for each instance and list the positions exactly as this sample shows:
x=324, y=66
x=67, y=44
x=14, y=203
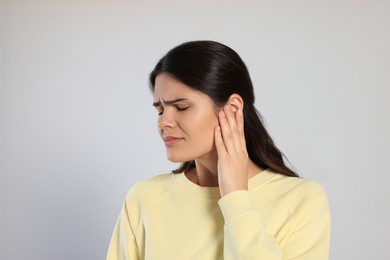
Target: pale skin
x=211, y=136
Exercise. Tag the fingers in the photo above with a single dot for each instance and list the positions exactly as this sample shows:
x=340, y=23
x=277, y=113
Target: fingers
x=240, y=121
x=227, y=134
x=233, y=124
x=219, y=144
x=232, y=130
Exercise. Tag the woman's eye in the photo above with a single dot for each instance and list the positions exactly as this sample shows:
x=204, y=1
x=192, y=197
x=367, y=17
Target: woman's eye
x=177, y=108
x=181, y=108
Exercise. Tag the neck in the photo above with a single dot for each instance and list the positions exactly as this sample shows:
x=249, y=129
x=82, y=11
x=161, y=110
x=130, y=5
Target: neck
x=206, y=172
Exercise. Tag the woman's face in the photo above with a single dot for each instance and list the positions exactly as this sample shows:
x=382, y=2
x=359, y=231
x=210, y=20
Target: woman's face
x=186, y=121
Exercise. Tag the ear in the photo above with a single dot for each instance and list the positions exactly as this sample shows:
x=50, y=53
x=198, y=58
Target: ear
x=235, y=102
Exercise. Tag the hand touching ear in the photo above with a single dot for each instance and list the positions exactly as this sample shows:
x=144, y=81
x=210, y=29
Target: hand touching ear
x=233, y=161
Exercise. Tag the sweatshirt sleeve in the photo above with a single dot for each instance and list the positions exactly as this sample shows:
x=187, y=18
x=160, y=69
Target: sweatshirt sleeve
x=245, y=230
x=310, y=238
x=246, y=235
x=123, y=244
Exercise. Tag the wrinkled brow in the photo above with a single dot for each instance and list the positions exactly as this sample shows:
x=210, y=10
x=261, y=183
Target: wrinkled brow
x=169, y=102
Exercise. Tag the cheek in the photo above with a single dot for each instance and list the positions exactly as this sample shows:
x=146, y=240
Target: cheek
x=198, y=123
x=204, y=125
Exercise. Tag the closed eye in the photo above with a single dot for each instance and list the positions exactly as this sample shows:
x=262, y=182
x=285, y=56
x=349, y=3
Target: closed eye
x=179, y=107
x=182, y=108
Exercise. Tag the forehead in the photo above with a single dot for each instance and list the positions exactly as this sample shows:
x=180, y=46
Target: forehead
x=167, y=87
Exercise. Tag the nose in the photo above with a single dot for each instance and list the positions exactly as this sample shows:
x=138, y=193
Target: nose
x=166, y=120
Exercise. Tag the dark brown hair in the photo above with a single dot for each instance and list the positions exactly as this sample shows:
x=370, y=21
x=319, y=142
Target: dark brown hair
x=218, y=71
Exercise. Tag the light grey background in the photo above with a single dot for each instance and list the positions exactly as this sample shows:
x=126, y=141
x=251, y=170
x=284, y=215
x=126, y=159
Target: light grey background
x=77, y=127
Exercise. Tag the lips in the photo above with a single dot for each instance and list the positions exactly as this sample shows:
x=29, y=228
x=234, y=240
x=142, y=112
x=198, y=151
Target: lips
x=171, y=140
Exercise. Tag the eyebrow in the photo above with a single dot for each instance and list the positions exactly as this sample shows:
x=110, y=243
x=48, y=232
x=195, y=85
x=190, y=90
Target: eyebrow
x=169, y=102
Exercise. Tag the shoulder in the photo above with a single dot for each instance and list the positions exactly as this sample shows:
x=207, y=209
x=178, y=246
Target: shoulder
x=149, y=190
x=297, y=186
x=141, y=195
x=307, y=202
x=298, y=193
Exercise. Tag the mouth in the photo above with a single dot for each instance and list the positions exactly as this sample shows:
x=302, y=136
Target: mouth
x=171, y=140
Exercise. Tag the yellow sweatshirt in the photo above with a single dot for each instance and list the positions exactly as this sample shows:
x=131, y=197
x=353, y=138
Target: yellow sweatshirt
x=168, y=217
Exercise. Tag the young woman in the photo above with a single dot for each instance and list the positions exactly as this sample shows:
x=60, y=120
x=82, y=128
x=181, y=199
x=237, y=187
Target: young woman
x=232, y=197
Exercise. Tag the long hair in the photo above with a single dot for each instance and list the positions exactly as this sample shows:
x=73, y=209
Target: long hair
x=218, y=71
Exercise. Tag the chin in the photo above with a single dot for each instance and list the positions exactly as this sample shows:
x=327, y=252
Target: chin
x=177, y=158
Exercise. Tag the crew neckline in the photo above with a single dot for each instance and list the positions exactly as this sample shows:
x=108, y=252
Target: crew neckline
x=199, y=192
